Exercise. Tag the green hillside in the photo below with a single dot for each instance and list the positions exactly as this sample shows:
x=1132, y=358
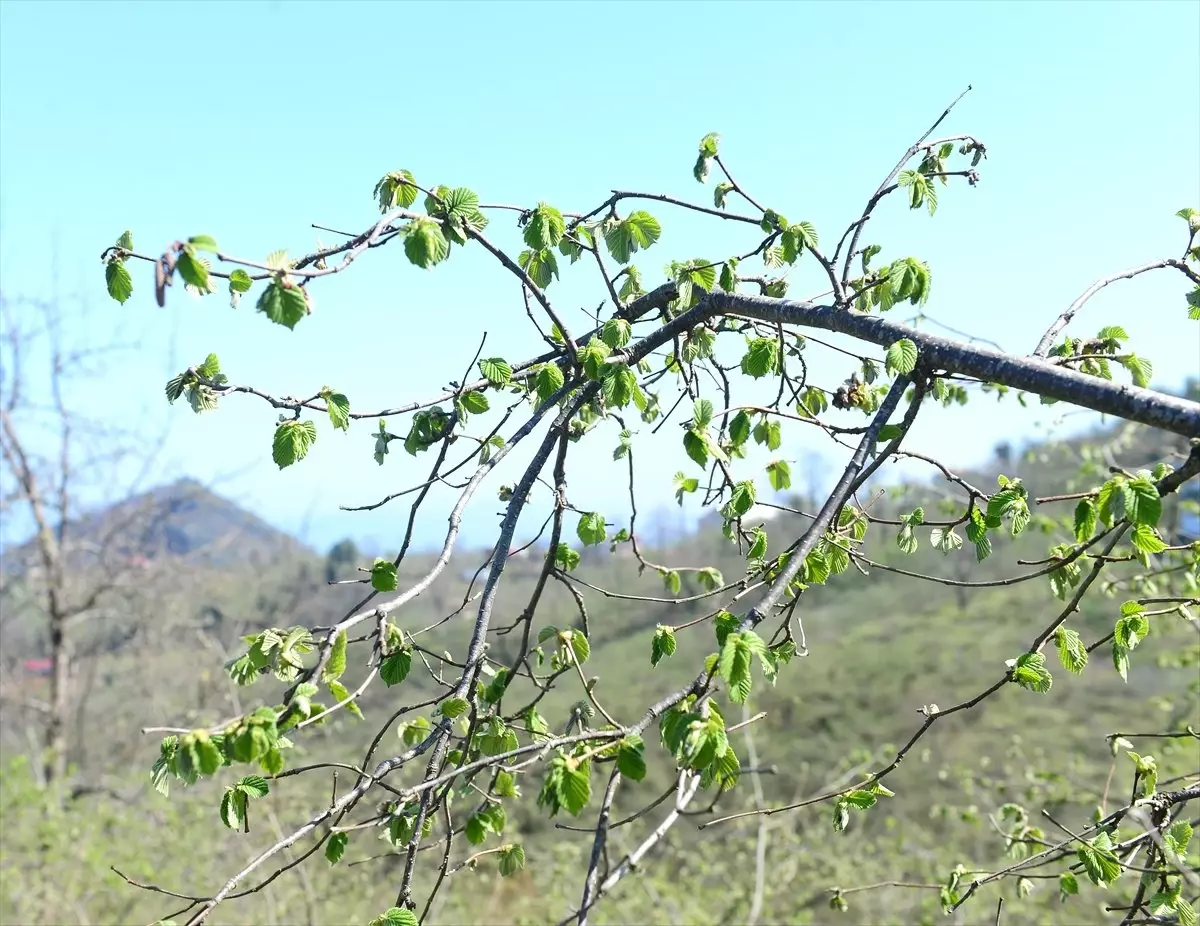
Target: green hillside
x=879, y=648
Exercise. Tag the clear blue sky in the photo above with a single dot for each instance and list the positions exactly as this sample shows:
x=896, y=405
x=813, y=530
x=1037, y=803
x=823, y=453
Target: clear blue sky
x=251, y=121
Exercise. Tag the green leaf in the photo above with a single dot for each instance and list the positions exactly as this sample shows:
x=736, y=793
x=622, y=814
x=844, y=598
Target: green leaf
x=545, y=227
x=120, y=283
x=741, y=499
x=505, y=785
x=475, y=402
x=396, y=190
x=1099, y=863
x=565, y=558
x=383, y=575
x=547, y=381
x=1085, y=520
x=901, y=357
x=395, y=667
x=193, y=270
x=592, y=357
x=337, y=655
x=861, y=799
x=577, y=788
x=424, y=243
x=616, y=333
x=780, y=475
x=497, y=686
x=945, y=539
x=1147, y=503
x=577, y=642
x=1179, y=835
x=1146, y=539
x=1071, y=650
x=768, y=432
x=1029, y=671
x=233, y=808
x=1120, y=655
x=663, y=644
x=737, y=653
x=758, y=546
x=591, y=529
x=512, y=859
x=340, y=693
x=761, y=357
x=454, y=707
x=396, y=916
x=283, y=303
x=240, y=281
x=637, y=230
x=618, y=385
x=461, y=202
x=496, y=371
x=685, y=484
x=631, y=758
x=204, y=243
x=739, y=428
x=292, y=441
x=1132, y=626
x=338, y=407
x=542, y=266
x=335, y=848
x=720, y=192
x=254, y=786
x=1140, y=369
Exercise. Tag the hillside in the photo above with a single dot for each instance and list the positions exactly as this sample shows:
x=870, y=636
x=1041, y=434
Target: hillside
x=880, y=646
x=181, y=520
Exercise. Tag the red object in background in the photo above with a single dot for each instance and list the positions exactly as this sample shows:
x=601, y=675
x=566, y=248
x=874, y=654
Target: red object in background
x=38, y=666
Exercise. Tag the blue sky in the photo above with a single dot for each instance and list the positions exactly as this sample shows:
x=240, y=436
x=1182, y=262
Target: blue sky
x=250, y=122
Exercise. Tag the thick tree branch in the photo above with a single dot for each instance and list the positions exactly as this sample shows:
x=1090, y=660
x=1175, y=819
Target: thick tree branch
x=1177, y=415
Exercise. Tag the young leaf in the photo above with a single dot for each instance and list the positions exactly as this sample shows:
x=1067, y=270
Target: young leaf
x=338, y=407
x=283, y=304
x=780, y=475
x=120, y=283
x=337, y=657
x=663, y=644
x=454, y=707
x=383, y=575
x=396, y=916
x=424, y=243
x=291, y=443
x=1071, y=650
x=542, y=266
x=496, y=371
x=545, y=227
x=1029, y=671
x=637, y=230
x=395, y=667
x=335, y=848
x=512, y=859
x=631, y=758
x=901, y=357
x=193, y=270
x=591, y=529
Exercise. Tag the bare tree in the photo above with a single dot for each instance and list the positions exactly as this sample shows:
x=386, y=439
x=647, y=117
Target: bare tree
x=57, y=465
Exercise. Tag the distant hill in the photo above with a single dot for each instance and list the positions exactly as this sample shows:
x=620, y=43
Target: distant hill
x=182, y=520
